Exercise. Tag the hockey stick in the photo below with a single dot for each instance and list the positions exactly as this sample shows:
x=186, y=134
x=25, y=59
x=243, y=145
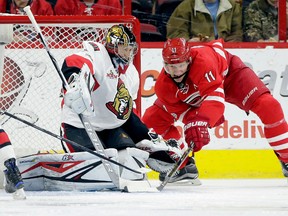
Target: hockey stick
x=176, y=167
x=140, y=171
x=115, y=178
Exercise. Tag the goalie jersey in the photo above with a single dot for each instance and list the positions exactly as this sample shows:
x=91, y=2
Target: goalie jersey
x=113, y=92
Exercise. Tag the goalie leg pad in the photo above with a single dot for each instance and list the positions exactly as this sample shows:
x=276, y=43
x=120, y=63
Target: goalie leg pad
x=135, y=159
x=66, y=172
x=160, y=162
x=159, y=165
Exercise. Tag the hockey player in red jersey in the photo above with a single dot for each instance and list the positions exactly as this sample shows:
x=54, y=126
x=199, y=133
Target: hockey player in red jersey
x=193, y=86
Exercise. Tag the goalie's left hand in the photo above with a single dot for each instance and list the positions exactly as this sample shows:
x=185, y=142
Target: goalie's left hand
x=170, y=146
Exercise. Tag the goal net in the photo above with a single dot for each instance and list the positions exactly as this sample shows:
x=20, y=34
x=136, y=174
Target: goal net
x=30, y=86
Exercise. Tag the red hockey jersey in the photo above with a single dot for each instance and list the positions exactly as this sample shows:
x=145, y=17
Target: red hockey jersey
x=203, y=89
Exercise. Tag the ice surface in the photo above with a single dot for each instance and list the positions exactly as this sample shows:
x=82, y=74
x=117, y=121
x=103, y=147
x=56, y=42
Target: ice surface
x=213, y=197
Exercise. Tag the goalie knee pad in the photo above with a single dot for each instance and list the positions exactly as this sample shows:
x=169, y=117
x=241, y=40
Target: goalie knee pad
x=134, y=159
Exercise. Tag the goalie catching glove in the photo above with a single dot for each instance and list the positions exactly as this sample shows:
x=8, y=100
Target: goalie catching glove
x=78, y=96
x=157, y=143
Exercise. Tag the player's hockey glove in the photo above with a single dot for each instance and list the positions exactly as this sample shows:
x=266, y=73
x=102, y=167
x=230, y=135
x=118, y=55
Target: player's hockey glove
x=78, y=96
x=196, y=131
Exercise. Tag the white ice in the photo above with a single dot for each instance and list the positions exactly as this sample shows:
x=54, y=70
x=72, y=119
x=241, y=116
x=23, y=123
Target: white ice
x=213, y=197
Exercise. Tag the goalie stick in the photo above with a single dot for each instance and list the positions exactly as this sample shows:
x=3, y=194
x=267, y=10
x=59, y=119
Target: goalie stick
x=175, y=168
x=121, y=184
x=141, y=170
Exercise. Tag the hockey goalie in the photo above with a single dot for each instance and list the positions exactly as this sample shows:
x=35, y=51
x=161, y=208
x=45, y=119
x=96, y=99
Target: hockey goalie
x=103, y=85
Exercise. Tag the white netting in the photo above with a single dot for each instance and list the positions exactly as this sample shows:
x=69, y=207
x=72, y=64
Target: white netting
x=30, y=86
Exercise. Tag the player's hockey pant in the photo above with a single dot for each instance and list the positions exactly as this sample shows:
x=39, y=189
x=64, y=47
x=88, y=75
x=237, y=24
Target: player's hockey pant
x=269, y=110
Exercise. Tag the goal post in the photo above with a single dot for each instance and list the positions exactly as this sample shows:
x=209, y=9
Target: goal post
x=30, y=86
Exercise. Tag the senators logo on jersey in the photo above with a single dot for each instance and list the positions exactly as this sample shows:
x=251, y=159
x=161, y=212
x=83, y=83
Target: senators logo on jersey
x=122, y=104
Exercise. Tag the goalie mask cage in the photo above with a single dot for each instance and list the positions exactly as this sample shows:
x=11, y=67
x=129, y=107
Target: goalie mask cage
x=30, y=85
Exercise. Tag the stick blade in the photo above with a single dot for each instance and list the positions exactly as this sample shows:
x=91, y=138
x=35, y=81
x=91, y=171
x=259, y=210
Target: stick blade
x=137, y=186
x=160, y=187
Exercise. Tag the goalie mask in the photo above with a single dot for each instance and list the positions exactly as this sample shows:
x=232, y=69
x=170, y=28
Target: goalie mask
x=120, y=41
x=176, y=57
